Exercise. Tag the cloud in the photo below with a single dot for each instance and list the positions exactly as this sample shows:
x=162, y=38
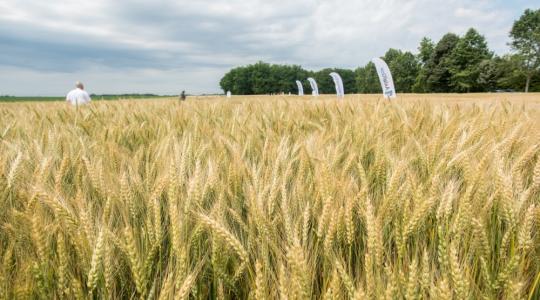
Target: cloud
x=158, y=46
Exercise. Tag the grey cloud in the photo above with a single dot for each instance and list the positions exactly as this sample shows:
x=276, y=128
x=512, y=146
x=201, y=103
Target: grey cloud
x=211, y=32
x=62, y=55
x=48, y=50
x=166, y=39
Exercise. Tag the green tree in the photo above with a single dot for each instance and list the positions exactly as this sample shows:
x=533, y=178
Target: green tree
x=425, y=49
x=260, y=77
x=242, y=82
x=505, y=73
x=470, y=51
x=236, y=81
x=264, y=78
x=510, y=73
x=404, y=67
x=438, y=76
x=227, y=81
x=284, y=78
x=367, y=80
x=525, y=36
x=489, y=73
x=420, y=84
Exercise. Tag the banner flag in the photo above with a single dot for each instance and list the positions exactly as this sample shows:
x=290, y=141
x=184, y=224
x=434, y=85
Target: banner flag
x=314, y=87
x=385, y=77
x=300, y=88
x=340, y=91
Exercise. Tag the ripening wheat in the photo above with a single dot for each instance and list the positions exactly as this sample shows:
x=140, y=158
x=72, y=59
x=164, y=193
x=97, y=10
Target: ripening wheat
x=276, y=199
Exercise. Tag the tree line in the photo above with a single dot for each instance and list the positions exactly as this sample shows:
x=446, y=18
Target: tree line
x=454, y=64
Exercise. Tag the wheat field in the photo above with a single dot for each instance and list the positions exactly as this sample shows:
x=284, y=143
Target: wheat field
x=424, y=197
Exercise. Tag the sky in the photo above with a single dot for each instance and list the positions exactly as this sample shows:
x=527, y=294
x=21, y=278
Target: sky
x=166, y=46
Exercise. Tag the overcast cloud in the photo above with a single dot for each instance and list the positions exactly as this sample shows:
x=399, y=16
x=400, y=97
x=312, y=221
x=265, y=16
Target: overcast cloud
x=165, y=46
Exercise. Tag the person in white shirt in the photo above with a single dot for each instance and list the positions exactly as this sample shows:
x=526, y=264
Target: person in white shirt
x=78, y=96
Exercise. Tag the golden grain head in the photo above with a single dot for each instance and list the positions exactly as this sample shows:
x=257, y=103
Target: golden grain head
x=433, y=196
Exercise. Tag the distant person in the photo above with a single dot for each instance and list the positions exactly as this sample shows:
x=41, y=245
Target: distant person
x=78, y=96
x=183, y=96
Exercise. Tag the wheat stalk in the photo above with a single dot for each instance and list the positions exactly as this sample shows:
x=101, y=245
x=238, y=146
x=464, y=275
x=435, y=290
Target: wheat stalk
x=225, y=235
x=271, y=197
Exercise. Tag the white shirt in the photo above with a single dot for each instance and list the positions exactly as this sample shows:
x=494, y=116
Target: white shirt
x=78, y=97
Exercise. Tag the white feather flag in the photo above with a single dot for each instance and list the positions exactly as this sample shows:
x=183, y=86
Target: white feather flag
x=385, y=77
x=314, y=87
x=300, y=88
x=340, y=91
